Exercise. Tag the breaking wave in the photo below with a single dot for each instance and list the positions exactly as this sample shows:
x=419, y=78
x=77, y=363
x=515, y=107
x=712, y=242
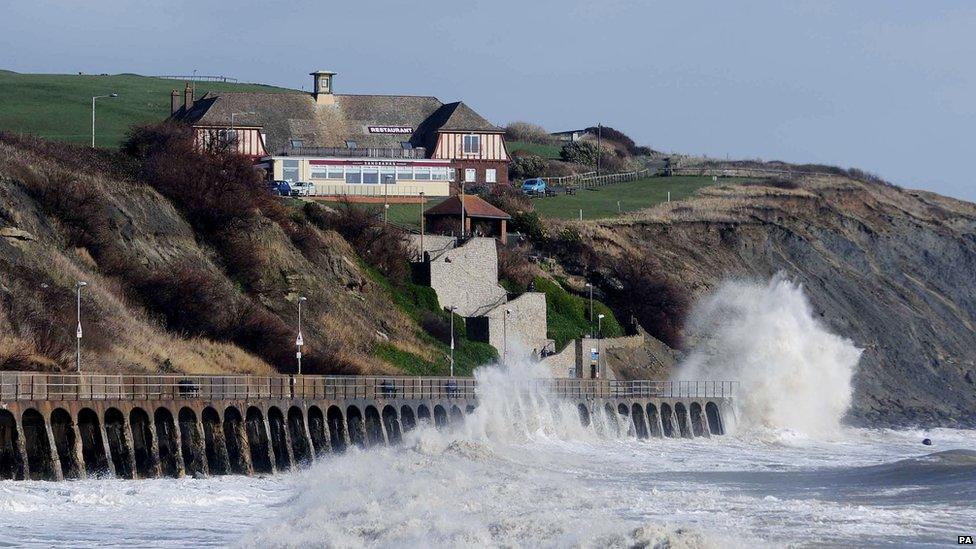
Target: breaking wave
x=794, y=374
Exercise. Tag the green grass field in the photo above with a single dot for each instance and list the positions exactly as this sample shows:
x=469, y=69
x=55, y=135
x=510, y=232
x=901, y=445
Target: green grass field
x=602, y=202
x=58, y=106
x=545, y=151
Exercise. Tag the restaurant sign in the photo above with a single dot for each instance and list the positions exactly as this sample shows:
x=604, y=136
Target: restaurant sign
x=390, y=129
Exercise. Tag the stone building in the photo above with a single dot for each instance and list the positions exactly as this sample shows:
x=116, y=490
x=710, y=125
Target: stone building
x=352, y=145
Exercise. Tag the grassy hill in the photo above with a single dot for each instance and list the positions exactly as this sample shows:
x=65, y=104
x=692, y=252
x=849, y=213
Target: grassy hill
x=58, y=106
x=545, y=151
x=602, y=202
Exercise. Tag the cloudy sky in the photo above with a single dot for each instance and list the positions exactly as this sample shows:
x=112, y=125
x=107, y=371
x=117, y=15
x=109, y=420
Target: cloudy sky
x=885, y=85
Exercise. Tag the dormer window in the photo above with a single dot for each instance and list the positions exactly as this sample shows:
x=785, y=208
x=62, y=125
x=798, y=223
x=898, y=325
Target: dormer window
x=296, y=143
x=351, y=144
x=471, y=144
x=406, y=145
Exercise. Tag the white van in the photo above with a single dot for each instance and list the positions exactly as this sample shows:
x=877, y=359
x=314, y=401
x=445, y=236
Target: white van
x=302, y=188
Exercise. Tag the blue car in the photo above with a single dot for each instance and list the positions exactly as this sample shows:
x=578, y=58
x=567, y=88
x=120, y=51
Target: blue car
x=280, y=188
x=534, y=186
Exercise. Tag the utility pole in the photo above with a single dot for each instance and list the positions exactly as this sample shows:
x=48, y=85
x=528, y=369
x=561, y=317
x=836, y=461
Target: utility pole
x=452, y=309
x=505, y=337
x=94, y=97
x=78, y=286
x=300, y=341
x=590, y=286
x=599, y=147
x=462, y=209
x=599, y=341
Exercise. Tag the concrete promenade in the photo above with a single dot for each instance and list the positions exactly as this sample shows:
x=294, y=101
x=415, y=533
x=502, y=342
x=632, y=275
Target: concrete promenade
x=58, y=426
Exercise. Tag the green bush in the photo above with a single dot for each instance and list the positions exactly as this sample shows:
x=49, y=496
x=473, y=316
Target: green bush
x=526, y=166
x=568, y=315
x=584, y=153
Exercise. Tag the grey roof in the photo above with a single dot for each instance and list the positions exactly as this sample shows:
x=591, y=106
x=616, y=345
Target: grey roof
x=286, y=116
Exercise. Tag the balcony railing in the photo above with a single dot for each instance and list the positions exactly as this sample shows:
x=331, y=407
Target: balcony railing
x=365, y=152
x=24, y=386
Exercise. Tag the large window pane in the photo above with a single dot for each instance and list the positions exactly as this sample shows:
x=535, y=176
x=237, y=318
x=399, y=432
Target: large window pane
x=335, y=172
x=353, y=176
x=472, y=144
x=371, y=175
x=404, y=174
x=421, y=174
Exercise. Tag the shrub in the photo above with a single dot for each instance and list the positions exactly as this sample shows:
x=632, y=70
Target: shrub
x=527, y=166
x=648, y=296
x=580, y=152
x=568, y=316
x=607, y=133
x=528, y=132
x=515, y=267
x=380, y=245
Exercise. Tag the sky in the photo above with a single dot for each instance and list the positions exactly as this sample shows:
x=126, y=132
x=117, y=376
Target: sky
x=887, y=86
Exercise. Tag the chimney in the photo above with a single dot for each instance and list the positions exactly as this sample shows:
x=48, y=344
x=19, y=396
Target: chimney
x=322, y=87
x=174, y=102
x=188, y=97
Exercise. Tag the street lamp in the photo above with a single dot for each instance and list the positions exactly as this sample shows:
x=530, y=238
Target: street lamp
x=452, y=309
x=590, y=286
x=94, y=97
x=299, y=341
x=599, y=345
x=505, y=337
x=422, y=202
x=78, y=286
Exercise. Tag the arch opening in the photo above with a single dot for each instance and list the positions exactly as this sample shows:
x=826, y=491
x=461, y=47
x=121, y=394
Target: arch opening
x=316, y=430
x=214, y=444
x=667, y=420
x=257, y=441
x=682, y=414
x=610, y=418
x=714, y=419
x=640, y=427
x=300, y=445
x=697, y=421
x=392, y=424
x=374, y=427
x=469, y=409
x=279, y=439
x=167, y=439
x=11, y=467
x=337, y=429
x=653, y=421
x=235, y=441
x=407, y=419
x=356, y=426
x=142, y=443
x=423, y=414
x=584, y=414
x=117, y=446
x=39, y=462
x=457, y=418
x=191, y=442
x=440, y=417
x=65, y=442
x=92, y=444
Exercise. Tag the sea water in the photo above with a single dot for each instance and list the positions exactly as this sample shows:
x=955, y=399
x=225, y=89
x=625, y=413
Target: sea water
x=522, y=471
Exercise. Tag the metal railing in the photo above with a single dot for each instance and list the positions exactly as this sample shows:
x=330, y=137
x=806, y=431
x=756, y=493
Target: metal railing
x=359, y=152
x=25, y=386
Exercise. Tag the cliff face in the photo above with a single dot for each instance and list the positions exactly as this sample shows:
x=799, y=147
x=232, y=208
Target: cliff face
x=893, y=270
x=62, y=221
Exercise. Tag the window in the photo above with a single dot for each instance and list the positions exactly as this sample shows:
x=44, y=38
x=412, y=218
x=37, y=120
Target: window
x=353, y=176
x=491, y=175
x=406, y=145
x=296, y=143
x=289, y=170
x=421, y=174
x=404, y=174
x=472, y=144
x=387, y=176
x=350, y=144
x=470, y=175
x=319, y=172
x=438, y=174
x=371, y=175
x=335, y=172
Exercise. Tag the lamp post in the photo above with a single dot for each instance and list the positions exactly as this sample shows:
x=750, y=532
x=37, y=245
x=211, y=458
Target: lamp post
x=599, y=345
x=452, y=309
x=78, y=286
x=590, y=286
x=505, y=337
x=462, y=209
x=422, y=202
x=299, y=341
x=94, y=97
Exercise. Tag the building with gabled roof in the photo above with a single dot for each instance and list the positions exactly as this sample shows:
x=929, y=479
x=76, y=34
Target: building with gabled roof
x=359, y=145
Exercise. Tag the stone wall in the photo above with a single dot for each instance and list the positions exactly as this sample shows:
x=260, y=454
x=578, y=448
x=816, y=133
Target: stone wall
x=526, y=325
x=434, y=244
x=467, y=277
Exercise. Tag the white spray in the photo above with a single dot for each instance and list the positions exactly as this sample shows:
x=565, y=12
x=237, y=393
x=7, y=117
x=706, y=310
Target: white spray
x=794, y=375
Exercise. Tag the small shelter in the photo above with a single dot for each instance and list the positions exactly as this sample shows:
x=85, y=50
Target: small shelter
x=480, y=217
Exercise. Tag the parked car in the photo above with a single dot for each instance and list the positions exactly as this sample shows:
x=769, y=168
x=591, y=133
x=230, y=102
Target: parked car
x=280, y=188
x=534, y=186
x=302, y=188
